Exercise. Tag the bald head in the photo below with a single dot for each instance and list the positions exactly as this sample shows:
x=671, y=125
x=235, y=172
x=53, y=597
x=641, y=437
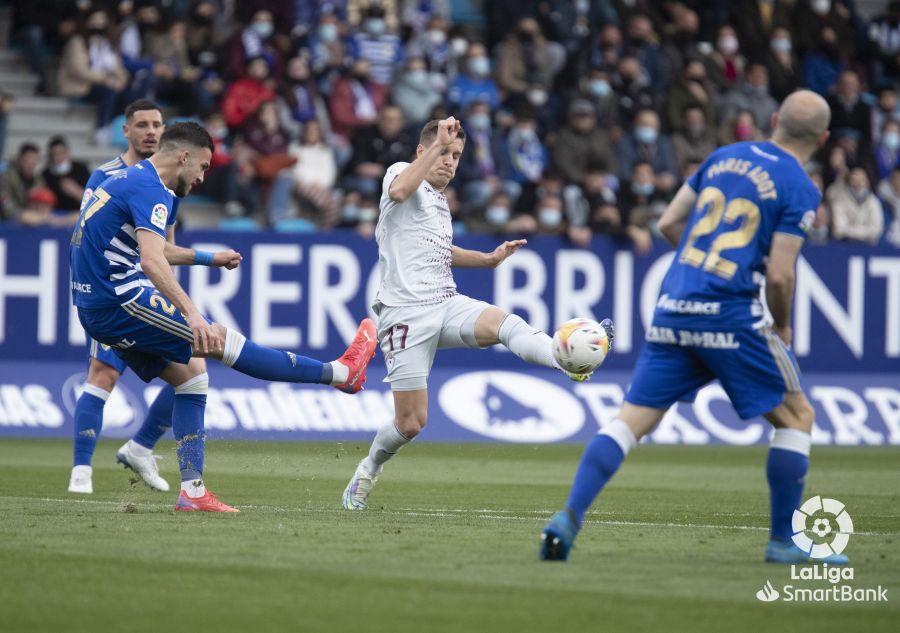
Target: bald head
x=802, y=120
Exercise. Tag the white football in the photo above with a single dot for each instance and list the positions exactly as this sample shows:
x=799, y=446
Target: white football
x=580, y=346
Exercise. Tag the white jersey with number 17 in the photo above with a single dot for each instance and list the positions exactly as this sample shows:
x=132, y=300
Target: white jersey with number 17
x=415, y=238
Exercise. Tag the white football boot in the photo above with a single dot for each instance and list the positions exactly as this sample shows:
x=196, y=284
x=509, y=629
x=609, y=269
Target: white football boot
x=81, y=480
x=356, y=494
x=143, y=465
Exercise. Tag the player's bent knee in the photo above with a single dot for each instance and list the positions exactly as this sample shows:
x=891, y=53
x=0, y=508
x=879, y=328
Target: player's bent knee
x=102, y=375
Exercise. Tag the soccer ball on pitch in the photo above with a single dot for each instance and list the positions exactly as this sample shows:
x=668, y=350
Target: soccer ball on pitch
x=580, y=346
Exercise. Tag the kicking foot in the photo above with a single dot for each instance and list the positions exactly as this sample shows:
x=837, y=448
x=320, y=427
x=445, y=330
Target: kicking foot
x=358, y=355
x=207, y=503
x=357, y=492
x=786, y=552
x=558, y=536
x=143, y=465
x=81, y=481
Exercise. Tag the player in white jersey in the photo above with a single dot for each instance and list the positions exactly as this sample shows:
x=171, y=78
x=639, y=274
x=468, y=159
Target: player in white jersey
x=417, y=307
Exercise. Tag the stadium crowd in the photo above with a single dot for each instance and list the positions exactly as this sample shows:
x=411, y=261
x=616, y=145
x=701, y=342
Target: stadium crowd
x=582, y=117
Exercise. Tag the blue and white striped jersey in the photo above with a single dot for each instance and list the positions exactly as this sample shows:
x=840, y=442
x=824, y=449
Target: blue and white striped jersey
x=104, y=258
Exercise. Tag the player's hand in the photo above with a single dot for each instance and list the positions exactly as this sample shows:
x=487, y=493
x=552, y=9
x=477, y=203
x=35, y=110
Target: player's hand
x=206, y=336
x=227, y=259
x=505, y=250
x=448, y=129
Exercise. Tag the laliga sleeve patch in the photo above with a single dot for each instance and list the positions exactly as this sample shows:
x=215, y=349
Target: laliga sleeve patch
x=807, y=221
x=159, y=215
x=87, y=196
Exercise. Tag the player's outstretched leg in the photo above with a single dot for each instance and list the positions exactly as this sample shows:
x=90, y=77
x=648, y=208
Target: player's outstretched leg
x=190, y=440
x=347, y=374
x=137, y=453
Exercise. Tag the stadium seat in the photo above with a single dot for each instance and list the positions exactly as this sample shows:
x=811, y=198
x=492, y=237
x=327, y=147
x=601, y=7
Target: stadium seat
x=239, y=224
x=295, y=225
x=116, y=136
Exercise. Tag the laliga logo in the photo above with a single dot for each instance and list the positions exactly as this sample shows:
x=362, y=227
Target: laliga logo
x=122, y=414
x=511, y=407
x=821, y=527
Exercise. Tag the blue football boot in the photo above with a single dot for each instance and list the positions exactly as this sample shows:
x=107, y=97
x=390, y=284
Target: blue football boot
x=558, y=536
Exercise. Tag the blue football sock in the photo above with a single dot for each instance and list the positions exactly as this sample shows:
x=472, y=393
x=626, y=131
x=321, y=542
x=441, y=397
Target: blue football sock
x=190, y=438
x=600, y=461
x=158, y=419
x=272, y=364
x=786, y=469
x=88, y=423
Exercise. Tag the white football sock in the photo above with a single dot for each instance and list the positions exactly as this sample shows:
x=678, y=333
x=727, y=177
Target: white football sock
x=387, y=442
x=340, y=373
x=194, y=488
x=82, y=471
x=529, y=344
x=137, y=449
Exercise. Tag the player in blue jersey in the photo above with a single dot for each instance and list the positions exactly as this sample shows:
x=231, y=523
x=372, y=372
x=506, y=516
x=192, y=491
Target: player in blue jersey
x=739, y=220
x=127, y=297
x=143, y=128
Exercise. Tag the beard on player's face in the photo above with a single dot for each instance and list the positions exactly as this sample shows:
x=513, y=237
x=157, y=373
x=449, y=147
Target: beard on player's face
x=182, y=186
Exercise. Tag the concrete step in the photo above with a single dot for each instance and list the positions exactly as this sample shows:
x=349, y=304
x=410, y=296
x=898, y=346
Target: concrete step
x=22, y=121
x=83, y=136
x=18, y=83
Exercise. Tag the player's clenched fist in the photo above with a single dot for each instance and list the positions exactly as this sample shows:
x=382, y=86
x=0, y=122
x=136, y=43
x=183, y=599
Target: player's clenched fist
x=448, y=129
x=227, y=259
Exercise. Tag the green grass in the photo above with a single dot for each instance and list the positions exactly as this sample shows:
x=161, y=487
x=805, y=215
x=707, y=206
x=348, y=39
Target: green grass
x=449, y=543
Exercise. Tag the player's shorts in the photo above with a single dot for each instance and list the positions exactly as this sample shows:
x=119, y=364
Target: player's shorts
x=755, y=367
x=105, y=354
x=410, y=335
x=147, y=333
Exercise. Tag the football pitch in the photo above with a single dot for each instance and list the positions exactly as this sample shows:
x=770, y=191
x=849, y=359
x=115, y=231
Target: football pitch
x=449, y=543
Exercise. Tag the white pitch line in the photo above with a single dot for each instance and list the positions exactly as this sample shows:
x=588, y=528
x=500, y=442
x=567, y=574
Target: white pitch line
x=484, y=513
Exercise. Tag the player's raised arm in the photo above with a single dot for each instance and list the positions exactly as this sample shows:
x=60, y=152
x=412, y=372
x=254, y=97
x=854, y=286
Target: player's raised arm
x=180, y=256
x=464, y=258
x=427, y=154
x=676, y=215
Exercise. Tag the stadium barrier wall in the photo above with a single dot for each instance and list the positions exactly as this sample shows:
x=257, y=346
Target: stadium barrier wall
x=307, y=292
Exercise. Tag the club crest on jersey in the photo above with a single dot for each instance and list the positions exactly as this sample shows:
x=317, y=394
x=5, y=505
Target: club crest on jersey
x=159, y=215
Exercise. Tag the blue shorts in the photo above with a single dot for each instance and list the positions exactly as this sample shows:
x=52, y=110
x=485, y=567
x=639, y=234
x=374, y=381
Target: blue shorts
x=146, y=333
x=755, y=367
x=106, y=354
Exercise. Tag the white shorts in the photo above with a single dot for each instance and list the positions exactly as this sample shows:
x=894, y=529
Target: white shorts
x=410, y=335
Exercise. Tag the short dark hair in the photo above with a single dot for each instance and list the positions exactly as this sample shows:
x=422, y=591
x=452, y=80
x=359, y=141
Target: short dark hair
x=56, y=140
x=138, y=106
x=26, y=147
x=429, y=133
x=186, y=133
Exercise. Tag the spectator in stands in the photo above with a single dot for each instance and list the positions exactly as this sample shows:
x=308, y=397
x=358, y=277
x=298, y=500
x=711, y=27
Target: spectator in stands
x=229, y=177
x=726, y=68
x=811, y=17
x=741, y=127
x=642, y=44
x=376, y=44
x=695, y=141
x=756, y=20
x=848, y=110
x=355, y=100
x=433, y=46
x=884, y=45
x=495, y=218
x=692, y=89
x=19, y=180
x=647, y=144
x=91, y=68
x=550, y=215
x=641, y=204
x=599, y=201
x=64, y=177
x=415, y=92
x=298, y=97
x=524, y=70
x=375, y=148
x=255, y=40
x=474, y=83
x=825, y=63
x=524, y=153
x=785, y=72
x=326, y=46
x=268, y=141
x=633, y=89
x=41, y=210
x=243, y=97
x=751, y=94
x=596, y=87
x=480, y=167
x=885, y=110
x=889, y=192
x=681, y=34
x=856, y=213
x=315, y=175
x=887, y=150
x=581, y=142
x=608, y=47
x=6, y=104
x=204, y=53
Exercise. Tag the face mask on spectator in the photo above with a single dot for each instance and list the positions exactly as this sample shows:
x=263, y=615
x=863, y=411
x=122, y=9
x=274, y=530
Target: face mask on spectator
x=646, y=134
x=496, y=215
x=350, y=213
x=743, y=131
x=263, y=29
x=860, y=194
x=550, y=216
x=728, y=44
x=537, y=97
x=891, y=140
x=417, y=77
x=218, y=133
x=821, y=7
x=436, y=36
x=480, y=121
x=375, y=26
x=643, y=188
x=328, y=32
x=64, y=167
x=458, y=46
x=781, y=45
x=367, y=215
x=600, y=87
x=479, y=66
